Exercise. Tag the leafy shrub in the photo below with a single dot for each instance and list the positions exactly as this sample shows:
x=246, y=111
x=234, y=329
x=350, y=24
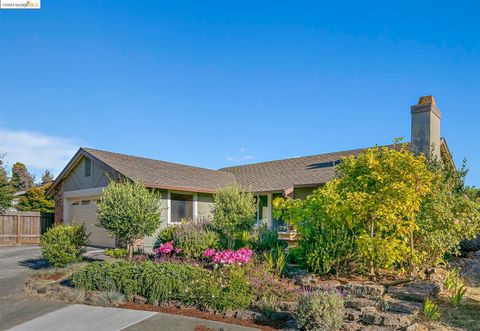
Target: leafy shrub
x=430, y=310
x=267, y=239
x=166, y=234
x=221, y=290
x=162, y=282
x=294, y=255
x=192, y=237
x=266, y=285
x=320, y=310
x=116, y=252
x=63, y=244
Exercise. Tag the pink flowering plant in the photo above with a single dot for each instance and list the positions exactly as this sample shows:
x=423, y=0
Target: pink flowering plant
x=167, y=248
x=229, y=257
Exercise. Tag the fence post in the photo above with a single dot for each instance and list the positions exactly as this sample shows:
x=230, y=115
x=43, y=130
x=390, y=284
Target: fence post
x=17, y=228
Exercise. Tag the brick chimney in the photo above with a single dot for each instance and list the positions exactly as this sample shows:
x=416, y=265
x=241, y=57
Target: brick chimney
x=426, y=126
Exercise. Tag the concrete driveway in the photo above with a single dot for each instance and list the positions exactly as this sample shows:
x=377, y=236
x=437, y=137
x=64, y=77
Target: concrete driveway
x=16, y=265
x=19, y=314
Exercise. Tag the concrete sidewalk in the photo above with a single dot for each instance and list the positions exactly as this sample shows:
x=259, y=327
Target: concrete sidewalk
x=88, y=318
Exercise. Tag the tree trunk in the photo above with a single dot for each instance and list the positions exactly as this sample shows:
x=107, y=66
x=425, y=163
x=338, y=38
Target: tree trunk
x=370, y=262
x=130, y=251
x=412, y=263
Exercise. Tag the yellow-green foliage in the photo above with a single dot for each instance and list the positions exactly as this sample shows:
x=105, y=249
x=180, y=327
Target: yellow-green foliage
x=368, y=212
x=430, y=309
x=35, y=199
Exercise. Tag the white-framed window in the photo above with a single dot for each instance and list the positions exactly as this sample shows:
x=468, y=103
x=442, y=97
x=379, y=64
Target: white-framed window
x=181, y=206
x=264, y=209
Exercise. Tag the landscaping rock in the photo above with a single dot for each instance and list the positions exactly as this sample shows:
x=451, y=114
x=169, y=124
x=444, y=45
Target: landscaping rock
x=139, y=300
x=396, y=320
x=417, y=291
x=352, y=326
x=291, y=325
x=376, y=328
x=371, y=316
x=42, y=290
x=359, y=303
x=248, y=315
x=352, y=314
x=364, y=290
x=399, y=306
x=472, y=245
x=229, y=314
x=282, y=316
x=374, y=317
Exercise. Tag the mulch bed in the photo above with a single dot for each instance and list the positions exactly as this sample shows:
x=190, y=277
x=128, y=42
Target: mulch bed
x=191, y=312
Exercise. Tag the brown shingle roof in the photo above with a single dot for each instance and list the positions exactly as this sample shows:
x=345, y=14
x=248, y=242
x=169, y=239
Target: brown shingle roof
x=272, y=176
x=154, y=173
x=280, y=175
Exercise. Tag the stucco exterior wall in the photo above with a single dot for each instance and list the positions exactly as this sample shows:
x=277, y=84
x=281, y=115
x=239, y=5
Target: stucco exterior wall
x=149, y=242
x=205, y=205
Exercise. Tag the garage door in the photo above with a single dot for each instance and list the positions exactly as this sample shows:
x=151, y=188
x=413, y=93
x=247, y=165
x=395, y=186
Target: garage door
x=82, y=210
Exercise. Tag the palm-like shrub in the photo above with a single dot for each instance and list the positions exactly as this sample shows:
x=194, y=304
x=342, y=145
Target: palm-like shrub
x=63, y=244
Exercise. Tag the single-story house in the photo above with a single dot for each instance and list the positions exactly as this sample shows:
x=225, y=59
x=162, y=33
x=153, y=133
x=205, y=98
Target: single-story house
x=187, y=191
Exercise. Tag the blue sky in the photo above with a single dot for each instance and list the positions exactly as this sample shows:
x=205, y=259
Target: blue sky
x=220, y=83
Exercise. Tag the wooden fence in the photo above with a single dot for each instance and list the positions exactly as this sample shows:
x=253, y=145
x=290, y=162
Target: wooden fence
x=23, y=227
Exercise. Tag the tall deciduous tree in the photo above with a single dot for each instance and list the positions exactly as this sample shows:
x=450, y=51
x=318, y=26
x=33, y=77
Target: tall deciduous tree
x=234, y=211
x=21, y=179
x=6, y=189
x=47, y=177
x=129, y=212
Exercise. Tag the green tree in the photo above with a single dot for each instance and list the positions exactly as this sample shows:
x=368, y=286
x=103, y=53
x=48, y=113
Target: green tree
x=21, y=179
x=47, y=177
x=234, y=212
x=372, y=206
x=129, y=212
x=449, y=213
x=6, y=190
x=35, y=199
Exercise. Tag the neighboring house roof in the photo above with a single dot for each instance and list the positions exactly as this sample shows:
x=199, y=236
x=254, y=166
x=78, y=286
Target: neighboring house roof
x=273, y=176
